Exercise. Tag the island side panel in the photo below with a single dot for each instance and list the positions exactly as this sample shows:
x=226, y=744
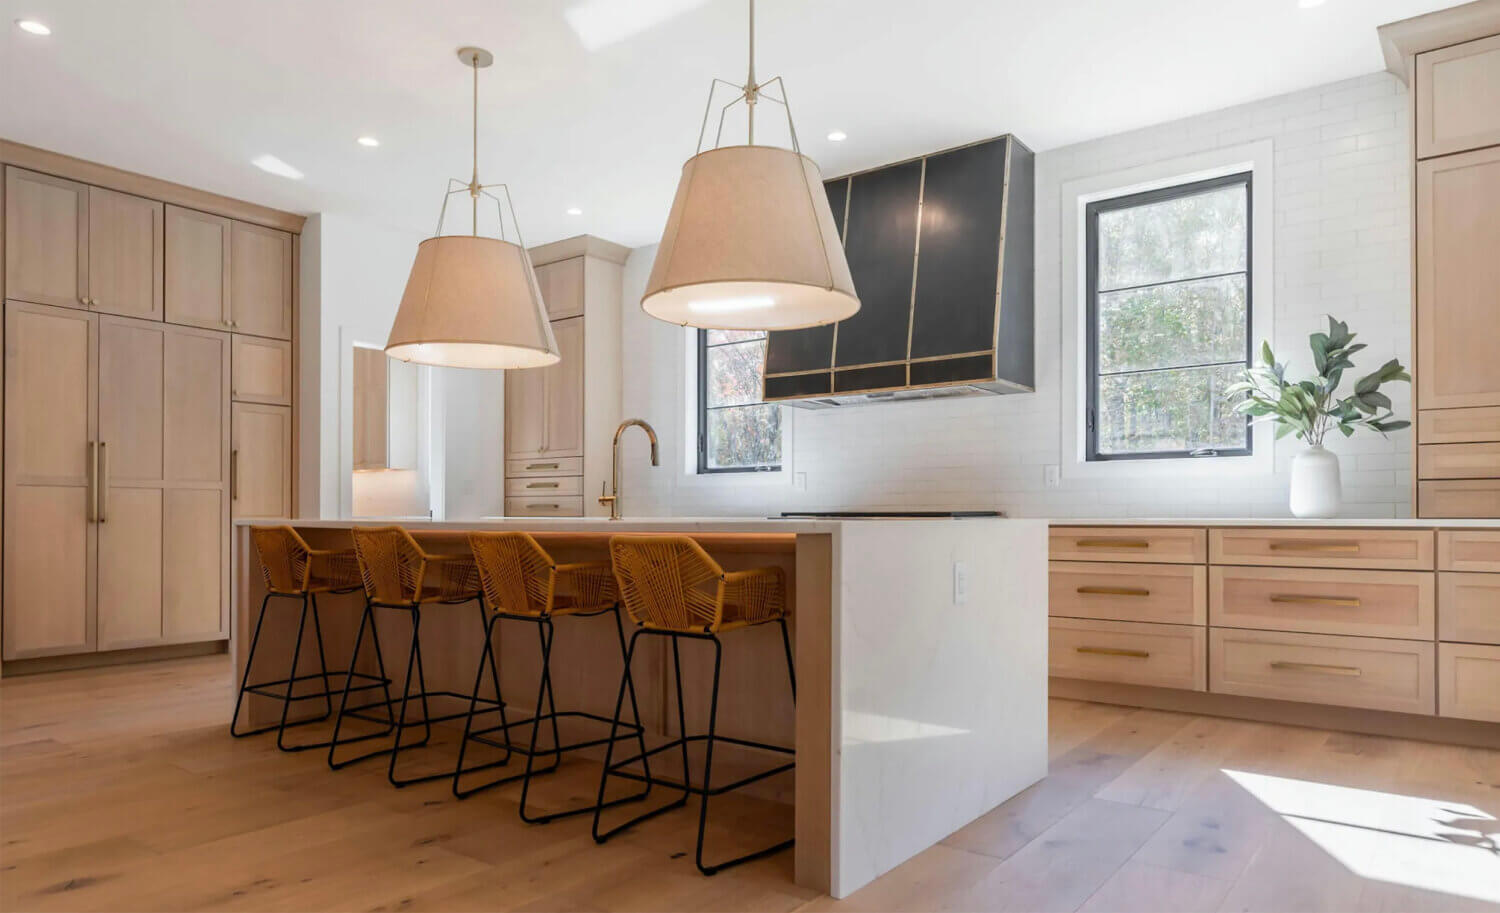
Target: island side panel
x=943, y=705
x=816, y=700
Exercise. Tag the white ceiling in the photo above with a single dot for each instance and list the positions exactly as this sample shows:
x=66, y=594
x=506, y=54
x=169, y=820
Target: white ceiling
x=192, y=90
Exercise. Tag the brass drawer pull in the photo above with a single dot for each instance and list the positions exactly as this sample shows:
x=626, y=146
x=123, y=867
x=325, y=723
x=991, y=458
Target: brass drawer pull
x=541, y=484
x=543, y=506
x=542, y=466
x=1114, y=651
x=1324, y=668
x=1316, y=600
x=1112, y=543
x=1113, y=591
x=1343, y=547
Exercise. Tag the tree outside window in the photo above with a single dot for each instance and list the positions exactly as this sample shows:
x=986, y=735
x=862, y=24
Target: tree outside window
x=737, y=432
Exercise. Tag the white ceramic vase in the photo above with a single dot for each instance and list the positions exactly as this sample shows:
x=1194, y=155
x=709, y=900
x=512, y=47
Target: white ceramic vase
x=1316, y=490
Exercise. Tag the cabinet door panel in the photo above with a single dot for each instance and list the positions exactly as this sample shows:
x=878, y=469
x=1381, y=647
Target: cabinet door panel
x=525, y=412
x=1458, y=97
x=261, y=469
x=260, y=270
x=1457, y=274
x=50, y=426
x=562, y=287
x=195, y=546
x=197, y=268
x=130, y=401
x=262, y=371
x=880, y=241
x=46, y=239
x=564, y=391
x=125, y=254
x=130, y=569
x=196, y=406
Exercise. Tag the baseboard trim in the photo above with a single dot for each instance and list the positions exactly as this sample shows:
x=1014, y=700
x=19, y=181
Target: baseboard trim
x=1292, y=713
x=111, y=658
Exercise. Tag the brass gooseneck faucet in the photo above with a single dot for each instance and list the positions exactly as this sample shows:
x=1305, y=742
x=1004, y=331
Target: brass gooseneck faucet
x=613, y=498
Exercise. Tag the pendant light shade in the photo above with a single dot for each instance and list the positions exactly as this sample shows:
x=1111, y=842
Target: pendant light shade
x=750, y=244
x=472, y=302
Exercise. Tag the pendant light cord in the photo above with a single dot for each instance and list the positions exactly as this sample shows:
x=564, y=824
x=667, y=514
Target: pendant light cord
x=474, y=180
x=750, y=87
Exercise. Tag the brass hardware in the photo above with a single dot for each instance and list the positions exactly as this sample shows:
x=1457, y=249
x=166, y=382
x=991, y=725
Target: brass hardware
x=542, y=466
x=234, y=475
x=543, y=506
x=1316, y=600
x=91, y=499
x=1324, y=668
x=1343, y=547
x=1113, y=591
x=102, y=489
x=541, y=484
x=1112, y=543
x=613, y=499
x=1114, y=651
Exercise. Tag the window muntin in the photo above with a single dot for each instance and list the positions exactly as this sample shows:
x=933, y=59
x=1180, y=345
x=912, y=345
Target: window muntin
x=737, y=432
x=1168, y=318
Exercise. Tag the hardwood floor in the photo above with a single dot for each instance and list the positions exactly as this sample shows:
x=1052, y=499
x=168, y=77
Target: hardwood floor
x=121, y=789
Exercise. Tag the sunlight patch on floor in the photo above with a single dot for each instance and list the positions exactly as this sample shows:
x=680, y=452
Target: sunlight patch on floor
x=863, y=727
x=1428, y=843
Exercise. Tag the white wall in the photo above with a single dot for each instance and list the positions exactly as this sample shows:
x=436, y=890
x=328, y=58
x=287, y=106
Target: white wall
x=1341, y=244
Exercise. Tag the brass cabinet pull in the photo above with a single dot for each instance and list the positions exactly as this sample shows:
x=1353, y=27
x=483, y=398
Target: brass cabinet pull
x=541, y=484
x=1323, y=668
x=91, y=499
x=1316, y=600
x=102, y=488
x=234, y=475
x=542, y=466
x=543, y=506
x=1114, y=651
x=1113, y=591
x=1345, y=547
x=1112, y=543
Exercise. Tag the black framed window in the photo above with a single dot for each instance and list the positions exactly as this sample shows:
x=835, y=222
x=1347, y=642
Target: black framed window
x=1168, y=320
x=737, y=432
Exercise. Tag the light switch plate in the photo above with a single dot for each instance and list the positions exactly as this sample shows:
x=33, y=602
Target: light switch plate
x=799, y=481
x=960, y=583
x=1052, y=476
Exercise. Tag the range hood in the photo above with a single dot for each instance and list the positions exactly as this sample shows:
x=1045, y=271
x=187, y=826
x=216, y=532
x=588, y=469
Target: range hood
x=940, y=248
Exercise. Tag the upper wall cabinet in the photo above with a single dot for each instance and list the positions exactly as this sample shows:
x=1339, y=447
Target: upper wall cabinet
x=1458, y=97
x=79, y=246
x=260, y=281
x=561, y=283
x=197, y=268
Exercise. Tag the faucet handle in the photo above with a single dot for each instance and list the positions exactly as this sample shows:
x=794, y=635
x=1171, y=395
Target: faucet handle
x=603, y=497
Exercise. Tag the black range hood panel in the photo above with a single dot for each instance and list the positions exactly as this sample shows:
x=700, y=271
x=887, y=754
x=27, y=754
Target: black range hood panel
x=940, y=248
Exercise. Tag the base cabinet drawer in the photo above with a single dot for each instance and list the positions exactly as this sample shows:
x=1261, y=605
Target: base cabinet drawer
x=1459, y=498
x=1469, y=550
x=545, y=466
x=1131, y=653
x=1469, y=682
x=1470, y=607
x=1317, y=601
x=1458, y=426
x=1458, y=461
x=1369, y=672
x=1159, y=544
x=1166, y=593
x=543, y=506
x=550, y=486
x=1371, y=549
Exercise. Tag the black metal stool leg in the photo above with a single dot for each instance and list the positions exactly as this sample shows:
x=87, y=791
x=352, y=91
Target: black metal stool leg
x=291, y=679
x=486, y=658
x=635, y=707
x=786, y=642
x=708, y=758
x=322, y=660
x=413, y=661
x=366, y=619
x=234, y=721
x=544, y=690
x=687, y=768
x=495, y=676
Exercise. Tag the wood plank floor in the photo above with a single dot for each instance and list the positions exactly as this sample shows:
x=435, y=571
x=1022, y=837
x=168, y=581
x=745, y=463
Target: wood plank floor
x=121, y=790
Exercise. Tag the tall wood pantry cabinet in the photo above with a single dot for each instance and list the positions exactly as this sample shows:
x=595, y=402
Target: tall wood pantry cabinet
x=560, y=420
x=147, y=401
x=1451, y=62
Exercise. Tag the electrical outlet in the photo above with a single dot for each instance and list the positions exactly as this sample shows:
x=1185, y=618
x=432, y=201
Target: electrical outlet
x=1052, y=476
x=799, y=481
x=960, y=583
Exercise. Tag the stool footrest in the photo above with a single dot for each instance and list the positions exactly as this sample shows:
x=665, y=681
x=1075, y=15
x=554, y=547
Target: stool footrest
x=615, y=768
x=626, y=730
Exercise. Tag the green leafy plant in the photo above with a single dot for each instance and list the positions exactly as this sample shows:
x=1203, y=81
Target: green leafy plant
x=1310, y=408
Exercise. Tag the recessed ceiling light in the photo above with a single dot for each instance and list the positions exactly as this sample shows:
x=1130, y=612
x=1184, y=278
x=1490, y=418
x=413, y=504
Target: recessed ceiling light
x=32, y=26
x=370, y=141
x=837, y=136
x=1309, y=4
x=574, y=211
x=274, y=165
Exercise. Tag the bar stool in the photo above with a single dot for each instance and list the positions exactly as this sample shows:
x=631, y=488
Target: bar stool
x=294, y=571
x=521, y=582
x=672, y=588
x=398, y=574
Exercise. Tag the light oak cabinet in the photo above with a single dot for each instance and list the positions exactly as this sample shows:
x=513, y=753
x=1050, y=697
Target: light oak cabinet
x=371, y=428
x=262, y=371
x=197, y=268
x=544, y=406
x=261, y=461
x=125, y=254
x=51, y=533
x=1469, y=682
x=1458, y=97
x=260, y=286
x=561, y=284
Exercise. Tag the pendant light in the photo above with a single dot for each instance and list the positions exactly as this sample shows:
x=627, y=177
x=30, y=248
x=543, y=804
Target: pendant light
x=750, y=243
x=473, y=301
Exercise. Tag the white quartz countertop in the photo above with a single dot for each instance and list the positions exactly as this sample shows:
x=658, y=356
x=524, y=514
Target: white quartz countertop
x=1359, y=523
x=628, y=524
